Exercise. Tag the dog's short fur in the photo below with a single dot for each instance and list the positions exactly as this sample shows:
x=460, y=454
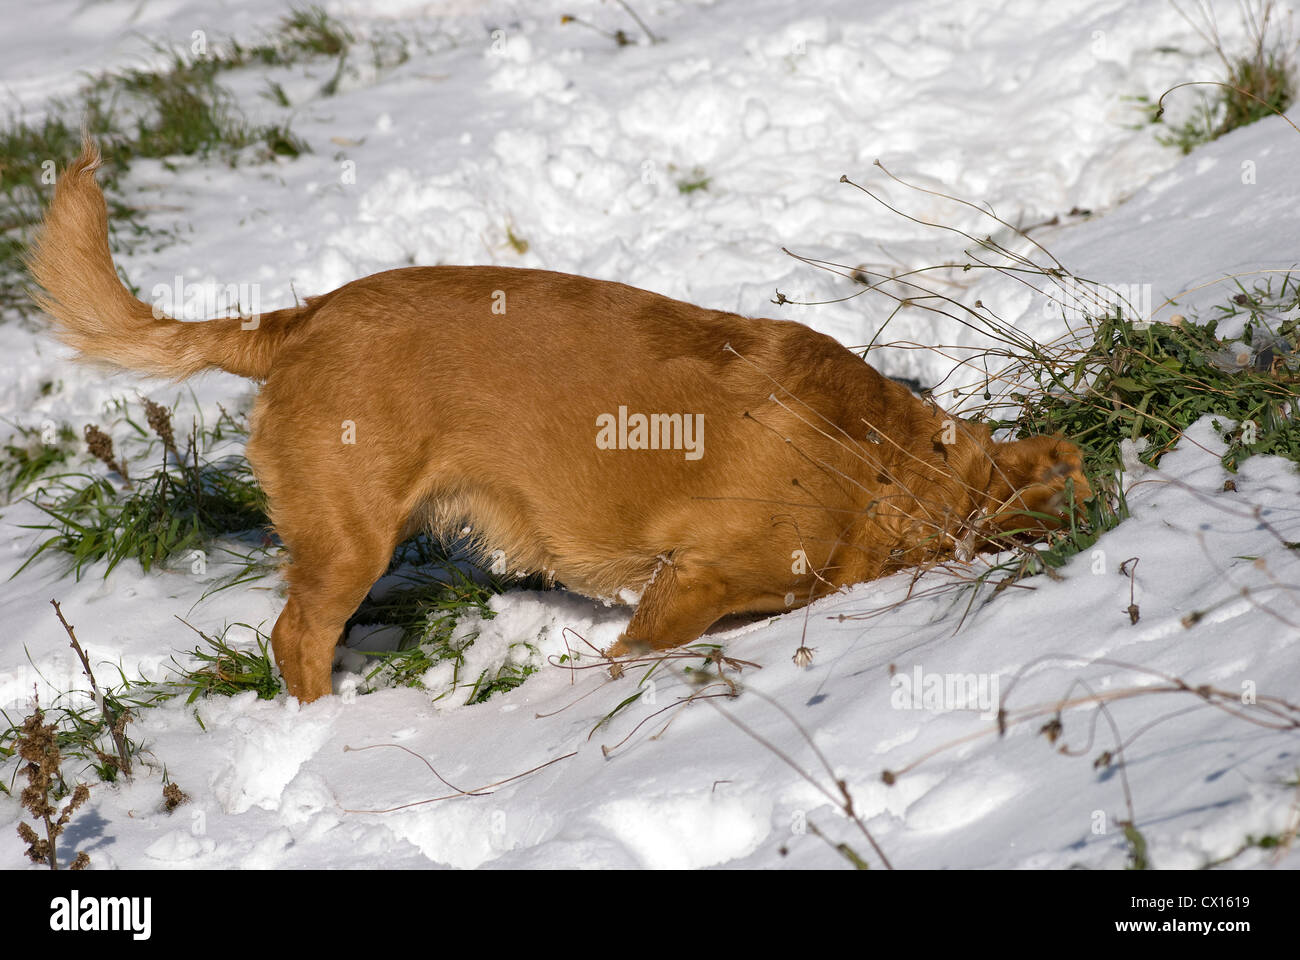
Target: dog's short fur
x=814, y=470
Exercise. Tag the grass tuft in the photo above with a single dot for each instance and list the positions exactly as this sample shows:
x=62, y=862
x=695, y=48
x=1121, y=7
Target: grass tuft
x=311, y=30
x=693, y=182
x=1145, y=383
x=428, y=614
x=1257, y=84
x=93, y=728
x=185, y=505
x=32, y=452
x=226, y=670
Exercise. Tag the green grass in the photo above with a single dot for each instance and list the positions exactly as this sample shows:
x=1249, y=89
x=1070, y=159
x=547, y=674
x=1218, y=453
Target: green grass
x=188, y=113
x=85, y=731
x=33, y=452
x=1257, y=84
x=187, y=503
x=1235, y=106
x=1268, y=77
x=1153, y=381
x=1079, y=533
x=1150, y=382
x=1138, y=857
x=177, y=110
x=517, y=243
x=428, y=613
x=30, y=153
x=694, y=181
x=311, y=30
x=226, y=670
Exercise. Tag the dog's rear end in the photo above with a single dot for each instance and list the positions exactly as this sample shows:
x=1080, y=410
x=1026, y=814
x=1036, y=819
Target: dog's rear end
x=487, y=395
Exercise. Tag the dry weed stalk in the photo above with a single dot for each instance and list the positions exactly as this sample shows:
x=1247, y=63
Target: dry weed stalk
x=482, y=791
x=115, y=721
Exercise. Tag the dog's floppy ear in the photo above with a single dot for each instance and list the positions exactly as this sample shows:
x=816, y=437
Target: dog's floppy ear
x=1029, y=477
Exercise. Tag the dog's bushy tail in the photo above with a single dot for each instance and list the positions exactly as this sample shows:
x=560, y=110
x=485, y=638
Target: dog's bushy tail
x=97, y=315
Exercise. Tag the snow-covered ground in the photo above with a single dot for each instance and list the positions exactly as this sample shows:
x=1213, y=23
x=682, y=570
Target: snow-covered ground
x=506, y=119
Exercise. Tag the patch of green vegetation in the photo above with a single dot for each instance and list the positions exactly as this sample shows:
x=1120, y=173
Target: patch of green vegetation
x=517, y=243
x=1236, y=106
x=29, y=156
x=93, y=732
x=33, y=452
x=1078, y=533
x=311, y=30
x=183, y=111
x=179, y=113
x=182, y=507
x=279, y=141
x=694, y=181
x=1151, y=381
x=310, y=33
x=1138, y=857
x=1264, y=86
x=1257, y=84
x=1146, y=384
x=429, y=612
x=178, y=109
x=226, y=670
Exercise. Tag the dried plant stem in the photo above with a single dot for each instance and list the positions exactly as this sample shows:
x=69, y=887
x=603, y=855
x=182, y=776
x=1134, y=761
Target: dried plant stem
x=115, y=722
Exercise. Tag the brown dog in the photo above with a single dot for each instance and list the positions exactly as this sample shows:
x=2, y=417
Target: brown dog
x=622, y=442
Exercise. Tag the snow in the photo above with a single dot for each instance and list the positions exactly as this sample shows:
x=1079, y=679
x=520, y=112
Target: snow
x=504, y=118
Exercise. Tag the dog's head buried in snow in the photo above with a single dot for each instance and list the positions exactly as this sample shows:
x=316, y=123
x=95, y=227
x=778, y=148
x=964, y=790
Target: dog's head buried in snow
x=612, y=438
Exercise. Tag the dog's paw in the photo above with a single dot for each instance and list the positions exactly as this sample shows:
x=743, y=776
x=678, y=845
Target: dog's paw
x=624, y=646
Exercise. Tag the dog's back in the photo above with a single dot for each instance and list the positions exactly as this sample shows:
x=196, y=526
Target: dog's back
x=587, y=428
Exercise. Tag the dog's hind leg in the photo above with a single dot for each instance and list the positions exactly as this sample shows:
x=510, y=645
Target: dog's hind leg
x=340, y=520
x=330, y=573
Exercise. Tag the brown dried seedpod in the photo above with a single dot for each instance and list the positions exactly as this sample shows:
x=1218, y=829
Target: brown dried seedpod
x=160, y=422
x=100, y=445
x=173, y=797
x=38, y=745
